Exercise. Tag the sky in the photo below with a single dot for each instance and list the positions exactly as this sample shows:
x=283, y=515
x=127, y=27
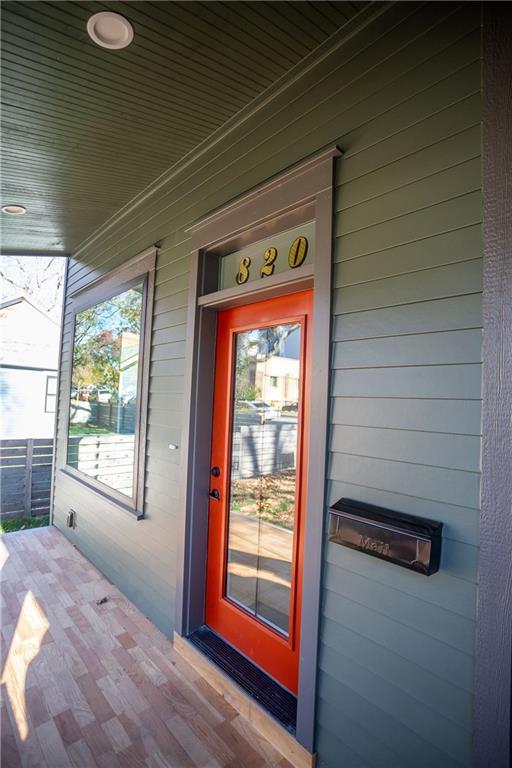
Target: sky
x=39, y=278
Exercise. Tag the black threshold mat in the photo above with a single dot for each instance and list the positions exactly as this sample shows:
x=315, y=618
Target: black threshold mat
x=277, y=701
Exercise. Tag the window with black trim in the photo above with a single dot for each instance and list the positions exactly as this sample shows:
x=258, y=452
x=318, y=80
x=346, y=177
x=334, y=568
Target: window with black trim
x=50, y=395
x=108, y=397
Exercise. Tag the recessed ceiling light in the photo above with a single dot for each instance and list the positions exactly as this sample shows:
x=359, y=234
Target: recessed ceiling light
x=14, y=210
x=110, y=30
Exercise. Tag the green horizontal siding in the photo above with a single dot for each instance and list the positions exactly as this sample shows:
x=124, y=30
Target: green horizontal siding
x=446, y=314
x=430, y=448
x=449, y=416
x=401, y=98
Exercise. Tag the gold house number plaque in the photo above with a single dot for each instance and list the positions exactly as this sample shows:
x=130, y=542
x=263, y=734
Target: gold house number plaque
x=242, y=275
x=297, y=254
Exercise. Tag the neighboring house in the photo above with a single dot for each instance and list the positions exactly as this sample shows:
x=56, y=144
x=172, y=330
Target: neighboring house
x=279, y=384
x=277, y=379
x=28, y=370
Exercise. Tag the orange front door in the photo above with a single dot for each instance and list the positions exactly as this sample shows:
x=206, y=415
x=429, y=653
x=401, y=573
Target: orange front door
x=258, y=481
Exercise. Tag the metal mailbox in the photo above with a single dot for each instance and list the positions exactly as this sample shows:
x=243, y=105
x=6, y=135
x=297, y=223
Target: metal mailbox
x=408, y=541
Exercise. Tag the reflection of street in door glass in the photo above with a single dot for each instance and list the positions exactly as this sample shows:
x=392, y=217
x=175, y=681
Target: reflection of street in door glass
x=263, y=472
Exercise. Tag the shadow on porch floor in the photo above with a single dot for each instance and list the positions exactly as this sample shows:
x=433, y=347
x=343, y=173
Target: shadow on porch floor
x=88, y=684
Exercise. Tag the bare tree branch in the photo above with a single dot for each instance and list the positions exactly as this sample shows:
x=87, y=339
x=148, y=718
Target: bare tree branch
x=8, y=279
x=39, y=279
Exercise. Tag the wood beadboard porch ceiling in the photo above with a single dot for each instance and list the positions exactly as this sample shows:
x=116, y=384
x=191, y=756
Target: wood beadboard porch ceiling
x=85, y=129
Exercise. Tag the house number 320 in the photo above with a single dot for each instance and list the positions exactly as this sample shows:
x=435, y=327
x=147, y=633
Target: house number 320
x=297, y=254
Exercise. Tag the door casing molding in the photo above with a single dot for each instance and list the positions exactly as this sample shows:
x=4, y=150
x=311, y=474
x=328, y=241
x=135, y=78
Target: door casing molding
x=304, y=193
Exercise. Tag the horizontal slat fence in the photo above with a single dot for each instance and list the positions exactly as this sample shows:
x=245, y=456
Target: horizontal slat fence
x=25, y=477
x=264, y=449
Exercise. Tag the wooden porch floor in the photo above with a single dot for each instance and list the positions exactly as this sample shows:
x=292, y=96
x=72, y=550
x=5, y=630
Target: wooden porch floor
x=96, y=684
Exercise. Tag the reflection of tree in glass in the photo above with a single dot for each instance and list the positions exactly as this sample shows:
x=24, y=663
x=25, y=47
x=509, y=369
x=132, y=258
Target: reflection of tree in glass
x=98, y=339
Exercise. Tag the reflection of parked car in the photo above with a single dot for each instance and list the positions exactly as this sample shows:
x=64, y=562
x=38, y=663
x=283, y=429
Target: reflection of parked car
x=255, y=411
x=128, y=396
x=100, y=394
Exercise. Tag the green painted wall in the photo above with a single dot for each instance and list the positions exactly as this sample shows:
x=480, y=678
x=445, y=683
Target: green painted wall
x=401, y=98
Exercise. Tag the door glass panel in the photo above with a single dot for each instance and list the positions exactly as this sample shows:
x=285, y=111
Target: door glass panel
x=263, y=472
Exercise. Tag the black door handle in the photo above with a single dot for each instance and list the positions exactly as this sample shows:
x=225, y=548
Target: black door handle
x=215, y=495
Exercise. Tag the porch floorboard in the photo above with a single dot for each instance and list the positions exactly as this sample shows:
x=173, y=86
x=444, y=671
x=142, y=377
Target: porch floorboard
x=92, y=683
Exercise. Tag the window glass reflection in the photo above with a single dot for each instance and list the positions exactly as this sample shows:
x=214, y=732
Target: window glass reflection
x=263, y=472
x=103, y=409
